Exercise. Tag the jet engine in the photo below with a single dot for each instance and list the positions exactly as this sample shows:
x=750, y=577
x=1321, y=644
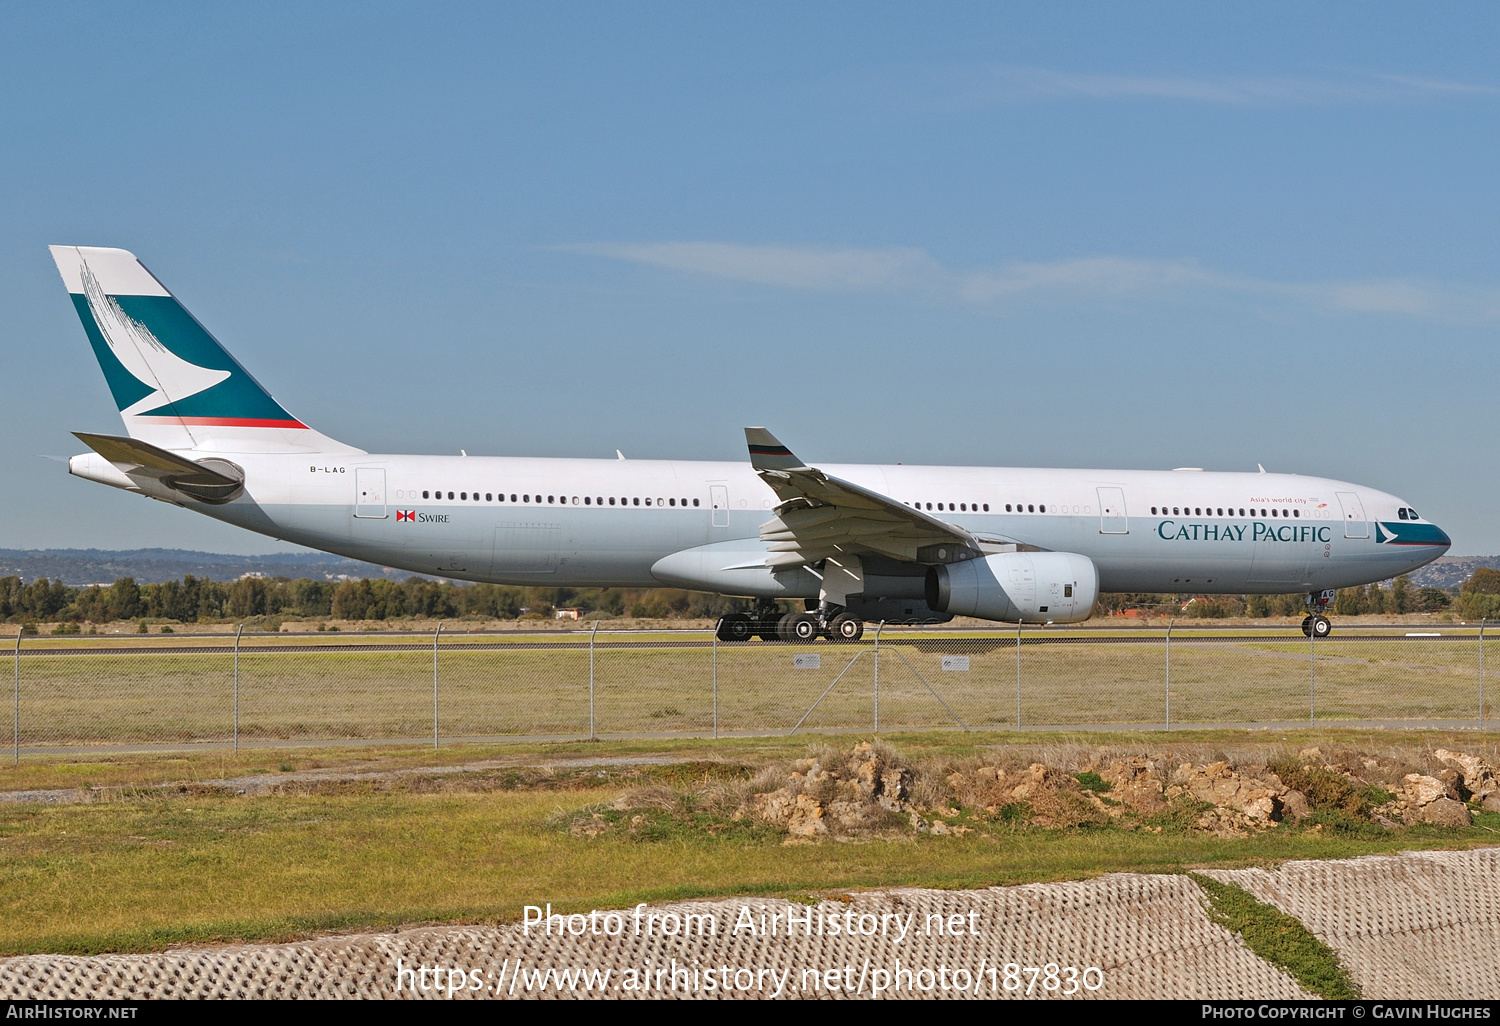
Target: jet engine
x=1031, y=587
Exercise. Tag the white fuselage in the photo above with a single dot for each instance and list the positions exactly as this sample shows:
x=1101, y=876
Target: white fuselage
x=639, y=523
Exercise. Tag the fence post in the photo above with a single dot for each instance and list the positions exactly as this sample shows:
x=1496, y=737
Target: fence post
x=435, y=683
x=15, y=725
x=1312, y=675
x=237, y=630
x=716, y=685
x=591, y=679
x=878, y=628
x=1169, y=671
x=1018, y=674
x=1481, y=671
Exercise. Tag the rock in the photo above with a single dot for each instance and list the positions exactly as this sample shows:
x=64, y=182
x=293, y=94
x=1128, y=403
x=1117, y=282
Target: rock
x=1454, y=782
x=806, y=819
x=1294, y=804
x=1311, y=755
x=1446, y=812
x=893, y=789
x=1479, y=777
x=1246, y=801
x=1423, y=790
x=1491, y=802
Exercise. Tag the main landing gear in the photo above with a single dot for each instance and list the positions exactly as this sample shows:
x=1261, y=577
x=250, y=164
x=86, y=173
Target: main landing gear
x=1315, y=624
x=769, y=624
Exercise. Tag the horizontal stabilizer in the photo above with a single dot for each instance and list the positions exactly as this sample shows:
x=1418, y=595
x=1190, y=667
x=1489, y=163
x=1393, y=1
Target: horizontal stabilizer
x=211, y=480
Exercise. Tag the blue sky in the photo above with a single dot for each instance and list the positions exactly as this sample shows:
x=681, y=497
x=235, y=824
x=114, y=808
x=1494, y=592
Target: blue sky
x=1055, y=235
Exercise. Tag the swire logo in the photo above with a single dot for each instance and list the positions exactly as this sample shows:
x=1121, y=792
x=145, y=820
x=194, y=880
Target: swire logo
x=406, y=514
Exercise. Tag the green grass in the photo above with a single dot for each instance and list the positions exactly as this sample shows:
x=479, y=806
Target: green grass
x=1278, y=938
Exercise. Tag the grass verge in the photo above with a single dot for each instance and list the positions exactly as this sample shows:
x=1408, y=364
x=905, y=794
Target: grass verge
x=1278, y=938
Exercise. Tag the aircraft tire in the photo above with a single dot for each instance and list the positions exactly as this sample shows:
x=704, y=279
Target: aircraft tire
x=803, y=627
x=1307, y=625
x=784, y=628
x=1321, y=627
x=735, y=627
x=846, y=628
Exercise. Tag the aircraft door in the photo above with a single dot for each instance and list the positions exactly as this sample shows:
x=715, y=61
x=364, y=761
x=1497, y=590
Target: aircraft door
x=1355, y=524
x=718, y=497
x=1112, y=518
x=369, y=493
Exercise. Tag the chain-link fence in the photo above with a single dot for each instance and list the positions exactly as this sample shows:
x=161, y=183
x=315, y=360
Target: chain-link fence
x=137, y=692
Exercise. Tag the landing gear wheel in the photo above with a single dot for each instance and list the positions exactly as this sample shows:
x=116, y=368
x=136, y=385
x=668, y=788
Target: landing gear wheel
x=802, y=627
x=735, y=627
x=1307, y=625
x=1321, y=627
x=844, y=627
x=784, y=628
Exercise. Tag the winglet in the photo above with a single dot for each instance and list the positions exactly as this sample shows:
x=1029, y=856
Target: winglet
x=767, y=453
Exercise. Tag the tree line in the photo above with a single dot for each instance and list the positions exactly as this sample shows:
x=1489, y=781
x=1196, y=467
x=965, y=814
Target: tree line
x=193, y=600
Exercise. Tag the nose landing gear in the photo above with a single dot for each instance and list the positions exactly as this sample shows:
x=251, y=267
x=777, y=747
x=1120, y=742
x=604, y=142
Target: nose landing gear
x=1315, y=624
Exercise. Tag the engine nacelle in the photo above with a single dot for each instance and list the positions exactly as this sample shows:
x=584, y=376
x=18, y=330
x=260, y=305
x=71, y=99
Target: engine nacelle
x=1030, y=587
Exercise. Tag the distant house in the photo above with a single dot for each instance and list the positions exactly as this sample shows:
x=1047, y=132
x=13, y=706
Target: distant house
x=567, y=614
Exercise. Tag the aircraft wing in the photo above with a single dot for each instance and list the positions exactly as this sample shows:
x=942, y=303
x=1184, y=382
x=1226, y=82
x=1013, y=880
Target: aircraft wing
x=820, y=516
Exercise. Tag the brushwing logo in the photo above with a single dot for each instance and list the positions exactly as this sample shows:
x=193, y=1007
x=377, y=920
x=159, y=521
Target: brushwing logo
x=169, y=376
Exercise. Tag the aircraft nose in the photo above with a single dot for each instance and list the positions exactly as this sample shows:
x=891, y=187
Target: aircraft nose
x=1442, y=538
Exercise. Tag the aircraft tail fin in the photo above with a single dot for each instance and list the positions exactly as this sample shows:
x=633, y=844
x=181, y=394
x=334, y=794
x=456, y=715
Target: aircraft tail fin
x=176, y=387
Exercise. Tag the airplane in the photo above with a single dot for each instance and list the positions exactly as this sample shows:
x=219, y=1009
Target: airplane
x=854, y=543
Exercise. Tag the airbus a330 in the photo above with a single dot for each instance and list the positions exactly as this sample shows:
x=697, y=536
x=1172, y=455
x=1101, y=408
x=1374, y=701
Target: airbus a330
x=854, y=543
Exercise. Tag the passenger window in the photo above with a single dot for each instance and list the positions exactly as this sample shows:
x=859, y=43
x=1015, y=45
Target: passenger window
x=611, y=500
x=695, y=502
x=672, y=502
x=1031, y=509
x=587, y=501
x=986, y=507
x=1197, y=512
x=1296, y=512
x=638, y=502
x=1041, y=509
x=512, y=496
x=450, y=495
x=424, y=494
x=658, y=500
x=1007, y=507
x=551, y=498
x=929, y=505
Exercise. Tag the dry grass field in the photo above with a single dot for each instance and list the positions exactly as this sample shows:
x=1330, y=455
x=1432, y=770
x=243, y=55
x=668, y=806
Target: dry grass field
x=169, y=690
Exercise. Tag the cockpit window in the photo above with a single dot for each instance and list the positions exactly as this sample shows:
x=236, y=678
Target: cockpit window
x=1412, y=514
x=1401, y=513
